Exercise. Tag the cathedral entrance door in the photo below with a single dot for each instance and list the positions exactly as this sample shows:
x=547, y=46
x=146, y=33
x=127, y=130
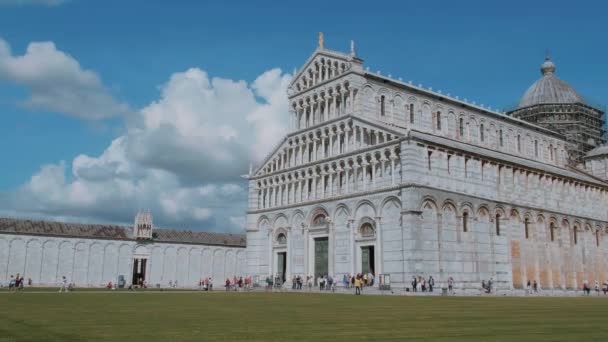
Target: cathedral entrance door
x=282, y=265
x=321, y=257
x=367, y=259
x=139, y=271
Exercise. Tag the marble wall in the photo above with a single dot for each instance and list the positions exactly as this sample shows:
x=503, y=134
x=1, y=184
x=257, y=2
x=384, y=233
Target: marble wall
x=95, y=262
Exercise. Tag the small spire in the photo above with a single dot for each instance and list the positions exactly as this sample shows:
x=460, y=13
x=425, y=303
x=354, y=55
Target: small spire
x=352, y=48
x=321, y=40
x=548, y=66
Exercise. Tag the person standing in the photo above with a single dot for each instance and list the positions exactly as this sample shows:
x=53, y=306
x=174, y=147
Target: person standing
x=431, y=283
x=451, y=285
x=358, y=285
x=64, y=285
x=535, y=287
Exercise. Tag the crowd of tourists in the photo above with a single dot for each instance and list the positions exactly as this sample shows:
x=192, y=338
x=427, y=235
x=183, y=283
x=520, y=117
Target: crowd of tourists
x=587, y=288
x=238, y=283
x=420, y=284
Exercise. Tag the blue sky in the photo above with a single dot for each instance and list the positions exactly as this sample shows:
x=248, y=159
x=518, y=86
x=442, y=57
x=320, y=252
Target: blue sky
x=487, y=52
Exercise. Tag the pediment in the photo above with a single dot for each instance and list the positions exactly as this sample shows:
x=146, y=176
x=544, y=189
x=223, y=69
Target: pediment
x=322, y=66
x=375, y=126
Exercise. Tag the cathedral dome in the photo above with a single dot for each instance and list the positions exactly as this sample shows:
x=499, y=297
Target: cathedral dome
x=549, y=89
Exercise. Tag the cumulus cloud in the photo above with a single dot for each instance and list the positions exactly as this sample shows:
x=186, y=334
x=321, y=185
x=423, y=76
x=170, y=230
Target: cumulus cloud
x=57, y=83
x=49, y=3
x=181, y=156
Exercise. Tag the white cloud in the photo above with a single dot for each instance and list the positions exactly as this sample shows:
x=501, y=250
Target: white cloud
x=181, y=156
x=49, y=3
x=57, y=82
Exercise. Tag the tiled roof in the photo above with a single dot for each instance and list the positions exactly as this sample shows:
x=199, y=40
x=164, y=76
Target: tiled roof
x=115, y=232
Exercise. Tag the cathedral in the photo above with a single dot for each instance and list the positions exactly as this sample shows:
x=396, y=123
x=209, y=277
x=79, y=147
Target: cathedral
x=383, y=177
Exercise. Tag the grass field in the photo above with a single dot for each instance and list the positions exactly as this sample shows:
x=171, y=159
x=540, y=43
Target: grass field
x=190, y=316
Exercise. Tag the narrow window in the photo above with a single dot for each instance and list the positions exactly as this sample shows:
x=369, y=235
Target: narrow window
x=501, y=141
x=552, y=231
x=466, y=162
x=481, y=136
x=526, y=229
x=518, y=143
x=382, y=105
x=449, y=157
x=461, y=127
x=498, y=224
x=597, y=238
x=575, y=235
x=465, y=221
x=429, y=159
x=438, y=120
x=411, y=113
x=551, y=152
x=536, y=148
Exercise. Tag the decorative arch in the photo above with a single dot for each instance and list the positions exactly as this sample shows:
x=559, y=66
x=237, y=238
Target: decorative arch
x=318, y=216
x=449, y=203
x=482, y=210
x=387, y=200
x=297, y=217
x=429, y=202
x=280, y=221
x=362, y=204
x=339, y=207
x=366, y=227
x=263, y=222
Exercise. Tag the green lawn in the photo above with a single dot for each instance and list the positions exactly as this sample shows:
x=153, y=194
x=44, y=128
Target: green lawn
x=188, y=316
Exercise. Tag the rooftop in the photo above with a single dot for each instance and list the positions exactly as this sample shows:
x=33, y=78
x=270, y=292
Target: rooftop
x=115, y=232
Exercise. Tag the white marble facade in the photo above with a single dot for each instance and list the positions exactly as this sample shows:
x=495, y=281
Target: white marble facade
x=437, y=185
x=93, y=262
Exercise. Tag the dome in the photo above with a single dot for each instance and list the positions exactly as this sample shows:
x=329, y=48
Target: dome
x=549, y=89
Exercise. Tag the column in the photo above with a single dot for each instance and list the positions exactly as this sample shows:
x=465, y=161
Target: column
x=339, y=184
x=364, y=173
x=353, y=251
x=346, y=139
x=337, y=106
x=377, y=138
x=323, y=145
x=343, y=104
x=374, y=163
x=393, y=157
x=302, y=152
x=289, y=257
x=314, y=148
x=327, y=113
x=298, y=193
x=355, y=176
x=346, y=183
x=331, y=144
x=379, y=257
x=323, y=173
x=314, y=185
x=331, y=182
